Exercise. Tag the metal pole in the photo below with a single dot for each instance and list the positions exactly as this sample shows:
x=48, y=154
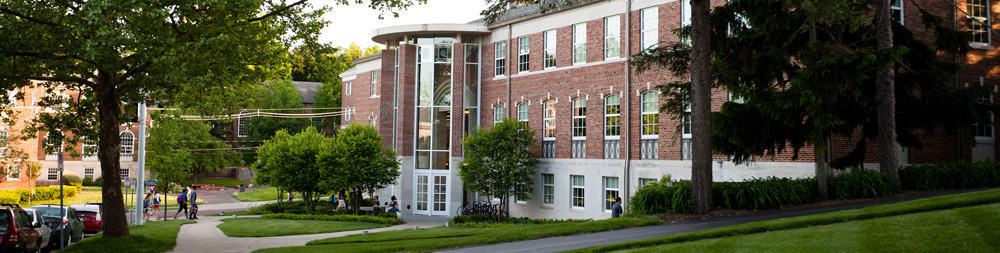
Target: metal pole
x=62, y=210
x=142, y=162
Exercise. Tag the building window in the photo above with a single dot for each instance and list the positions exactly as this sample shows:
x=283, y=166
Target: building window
x=347, y=88
x=501, y=57
x=522, y=114
x=985, y=132
x=347, y=115
x=897, y=10
x=4, y=139
x=128, y=143
x=522, y=54
x=612, y=30
x=979, y=21
x=550, y=48
x=52, y=148
x=243, y=124
x=650, y=27
x=53, y=174
x=580, y=43
x=548, y=189
x=89, y=150
x=645, y=181
x=610, y=192
x=374, y=83
x=497, y=114
x=549, y=120
x=373, y=121
x=88, y=173
x=14, y=172
x=579, y=118
x=650, y=115
x=612, y=116
x=686, y=17
x=578, y=191
x=124, y=174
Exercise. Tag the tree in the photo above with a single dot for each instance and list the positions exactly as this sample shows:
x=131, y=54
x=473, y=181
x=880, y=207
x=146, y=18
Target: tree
x=357, y=161
x=885, y=99
x=280, y=95
x=332, y=64
x=701, y=106
x=179, y=148
x=204, y=56
x=291, y=162
x=498, y=162
x=805, y=72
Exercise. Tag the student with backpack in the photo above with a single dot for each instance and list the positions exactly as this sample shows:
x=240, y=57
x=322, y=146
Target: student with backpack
x=182, y=201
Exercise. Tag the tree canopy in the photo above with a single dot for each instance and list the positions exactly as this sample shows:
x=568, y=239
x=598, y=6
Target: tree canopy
x=357, y=161
x=291, y=163
x=498, y=161
x=280, y=94
x=180, y=148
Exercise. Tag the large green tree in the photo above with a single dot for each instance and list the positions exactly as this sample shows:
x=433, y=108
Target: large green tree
x=321, y=63
x=498, y=161
x=291, y=163
x=281, y=94
x=178, y=149
x=356, y=161
x=207, y=56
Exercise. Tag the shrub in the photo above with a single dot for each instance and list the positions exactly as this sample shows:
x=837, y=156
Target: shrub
x=950, y=175
x=8, y=197
x=764, y=193
x=481, y=218
x=99, y=182
x=88, y=181
x=73, y=180
x=664, y=196
x=861, y=183
x=344, y=217
x=296, y=207
x=41, y=193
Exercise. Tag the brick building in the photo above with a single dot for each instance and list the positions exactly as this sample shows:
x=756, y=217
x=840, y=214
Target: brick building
x=565, y=73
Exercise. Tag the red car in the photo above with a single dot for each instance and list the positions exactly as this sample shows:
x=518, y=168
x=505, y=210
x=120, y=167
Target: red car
x=91, y=217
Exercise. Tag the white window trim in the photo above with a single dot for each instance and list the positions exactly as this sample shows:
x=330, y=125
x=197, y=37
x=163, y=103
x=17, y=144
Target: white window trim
x=500, y=48
x=988, y=25
x=686, y=17
x=576, y=37
x=498, y=113
x=606, y=116
x=574, y=117
x=553, y=185
x=546, y=119
x=899, y=8
x=242, y=123
x=617, y=35
x=987, y=139
x=646, y=32
x=523, y=51
x=550, y=50
x=642, y=113
x=48, y=174
x=91, y=173
x=10, y=167
x=124, y=173
x=526, y=111
x=5, y=136
x=347, y=116
x=374, y=87
x=604, y=197
x=572, y=192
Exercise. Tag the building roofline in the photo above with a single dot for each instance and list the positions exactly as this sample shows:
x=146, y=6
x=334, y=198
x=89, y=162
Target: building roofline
x=394, y=33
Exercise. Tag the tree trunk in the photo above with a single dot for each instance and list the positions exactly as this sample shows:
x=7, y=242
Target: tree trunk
x=701, y=106
x=115, y=222
x=886, y=101
x=821, y=170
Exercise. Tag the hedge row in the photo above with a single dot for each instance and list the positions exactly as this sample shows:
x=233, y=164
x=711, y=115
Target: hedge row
x=342, y=217
x=765, y=193
x=481, y=218
x=41, y=193
x=955, y=175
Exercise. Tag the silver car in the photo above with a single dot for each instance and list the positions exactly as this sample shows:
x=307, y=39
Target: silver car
x=45, y=233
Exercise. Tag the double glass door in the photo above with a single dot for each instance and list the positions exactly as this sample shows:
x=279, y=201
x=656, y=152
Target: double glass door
x=431, y=194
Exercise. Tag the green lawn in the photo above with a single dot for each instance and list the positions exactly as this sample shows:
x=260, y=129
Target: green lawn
x=966, y=229
x=430, y=239
x=240, y=213
x=159, y=236
x=263, y=194
x=216, y=182
x=916, y=206
x=264, y=227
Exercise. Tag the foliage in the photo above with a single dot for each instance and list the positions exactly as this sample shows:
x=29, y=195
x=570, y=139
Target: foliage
x=486, y=219
x=765, y=193
x=215, y=182
x=664, y=196
x=179, y=148
x=292, y=163
x=267, y=227
x=18, y=196
x=357, y=161
x=342, y=217
x=205, y=56
x=916, y=206
x=862, y=183
x=88, y=182
x=160, y=236
x=73, y=180
x=499, y=162
x=322, y=64
x=98, y=182
x=954, y=175
x=281, y=94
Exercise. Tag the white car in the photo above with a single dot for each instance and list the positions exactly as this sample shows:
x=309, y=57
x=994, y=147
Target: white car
x=45, y=233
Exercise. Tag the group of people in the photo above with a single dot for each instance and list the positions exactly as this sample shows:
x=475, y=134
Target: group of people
x=151, y=204
x=342, y=205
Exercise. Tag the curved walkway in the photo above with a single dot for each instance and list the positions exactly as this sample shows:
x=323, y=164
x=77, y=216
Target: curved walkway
x=204, y=236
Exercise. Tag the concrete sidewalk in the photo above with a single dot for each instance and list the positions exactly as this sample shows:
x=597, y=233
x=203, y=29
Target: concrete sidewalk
x=564, y=243
x=206, y=237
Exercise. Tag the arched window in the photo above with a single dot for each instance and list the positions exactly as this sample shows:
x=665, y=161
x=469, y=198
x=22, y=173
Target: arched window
x=650, y=115
x=579, y=118
x=243, y=124
x=549, y=120
x=497, y=114
x=128, y=145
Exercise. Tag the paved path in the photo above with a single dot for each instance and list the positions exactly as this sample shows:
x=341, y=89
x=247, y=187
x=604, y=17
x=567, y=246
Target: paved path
x=564, y=243
x=206, y=237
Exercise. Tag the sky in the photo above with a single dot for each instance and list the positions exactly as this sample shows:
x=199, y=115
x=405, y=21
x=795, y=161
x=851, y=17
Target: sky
x=355, y=22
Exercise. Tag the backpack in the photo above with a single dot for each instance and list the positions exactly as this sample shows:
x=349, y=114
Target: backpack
x=180, y=199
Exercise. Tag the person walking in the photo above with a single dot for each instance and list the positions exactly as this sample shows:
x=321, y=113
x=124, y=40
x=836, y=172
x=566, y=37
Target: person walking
x=616, y=209
x=193, y=200
x=156, y=205
x=182, y=202
x=145, y=207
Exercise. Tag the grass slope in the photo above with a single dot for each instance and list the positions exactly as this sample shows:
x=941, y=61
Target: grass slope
x=263, y=194
x=425, y=240
x=216, y=182
x=916, y=206
x=966, y=229
x=160, y=236
x=265, y=227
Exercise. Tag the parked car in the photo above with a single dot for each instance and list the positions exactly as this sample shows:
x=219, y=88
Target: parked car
x=44, y=231
x=68, y=222
x=17, y=232
x=91, y=216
